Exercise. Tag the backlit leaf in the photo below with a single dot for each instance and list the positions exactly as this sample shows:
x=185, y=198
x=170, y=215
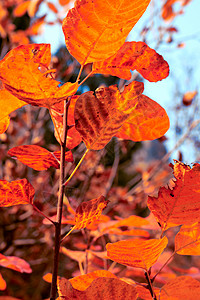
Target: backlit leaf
x=16, y=192
x=128, y=115
x=137, y=252
x=20, y=71
x=82, y=282
x=8, y=103
x=21, y=8
x=90, y=211
x=182, y=287
x=187, y=240
x=15, y=263
x=2, y=284
x=38, y=158
x=148, y=121
x=95, y=30
x=134, y=56
x=100, y=288
x=179, y=205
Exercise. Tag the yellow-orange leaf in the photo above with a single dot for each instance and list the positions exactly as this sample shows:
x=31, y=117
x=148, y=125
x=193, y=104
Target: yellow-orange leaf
x=187, y=240
x=2, y=284
x=15, y=263
x=100, y=288
x=38, y=158
x=109, y=113
x=8, y=103
x=89, y=212
x=148, y=121
x=182, y=287
x=21, y=8
x=16, y=192
x=82, y=282
x=136, y=253
x=179, y=205
x=134, y=56
x=20, y=71
x=95, y=30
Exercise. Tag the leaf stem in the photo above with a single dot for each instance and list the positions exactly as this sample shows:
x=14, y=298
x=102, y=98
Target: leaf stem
x=86, y=78
x=77, y=166
x=40, y=212
x=163, y=266
x=79, y=74
x=150, y=285
x=59, y=206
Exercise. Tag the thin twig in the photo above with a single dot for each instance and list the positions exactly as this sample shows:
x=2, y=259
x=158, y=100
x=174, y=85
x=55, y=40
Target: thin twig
x=86, y=78
x=150, y=285
x=59, y=206
x=40, y=212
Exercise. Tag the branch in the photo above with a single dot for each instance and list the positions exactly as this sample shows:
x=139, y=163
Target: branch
x=59, y=206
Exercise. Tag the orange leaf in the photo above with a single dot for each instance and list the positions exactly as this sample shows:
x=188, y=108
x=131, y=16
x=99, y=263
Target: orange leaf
x=21, y=9
x=15, y=263
x=182, y=287
x=47, y=277
x=188, y=97
x=134, y=56
x=89, y=212
x=52, y=7
x=148, y=121
x=82, y=282
x=101, y=116
x=16, y=192
x=100, y=288
x=2, y=284
x=187, y=240
x=38, y=158
x=136, y=253
x=8, y=103
x=95, y=30
x=179, y=205
x=21, y=75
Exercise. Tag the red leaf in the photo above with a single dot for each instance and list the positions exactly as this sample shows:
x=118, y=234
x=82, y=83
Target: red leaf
x=37, y=157
x=16, y=192
x=15, y=263
x=134, y=56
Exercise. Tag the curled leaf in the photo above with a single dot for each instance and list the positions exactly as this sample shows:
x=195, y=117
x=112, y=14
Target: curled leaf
x=136, y=253
x=16, y=192
x=38, y=158
x=128, y=115
x=134, y=56
x=24, y=72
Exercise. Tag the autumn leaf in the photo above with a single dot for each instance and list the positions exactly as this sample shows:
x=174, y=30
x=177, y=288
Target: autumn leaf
x=20, y=71
x=134, y=56
x=2, y=284
x=88, y=213
x=187, y=240
x=15, y=263
x=8, y=104
x=179, y=205
x=188, y=97
x=136, y=252
x=38, y=158
x=16, y=192
x=182, y=287
x=21, y=9
x=73, y=136
x=95, y=30
x=128, y=115
x=100, y=288
x=82, y=282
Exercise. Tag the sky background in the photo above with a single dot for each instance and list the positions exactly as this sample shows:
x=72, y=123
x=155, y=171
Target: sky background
x=184, y=67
